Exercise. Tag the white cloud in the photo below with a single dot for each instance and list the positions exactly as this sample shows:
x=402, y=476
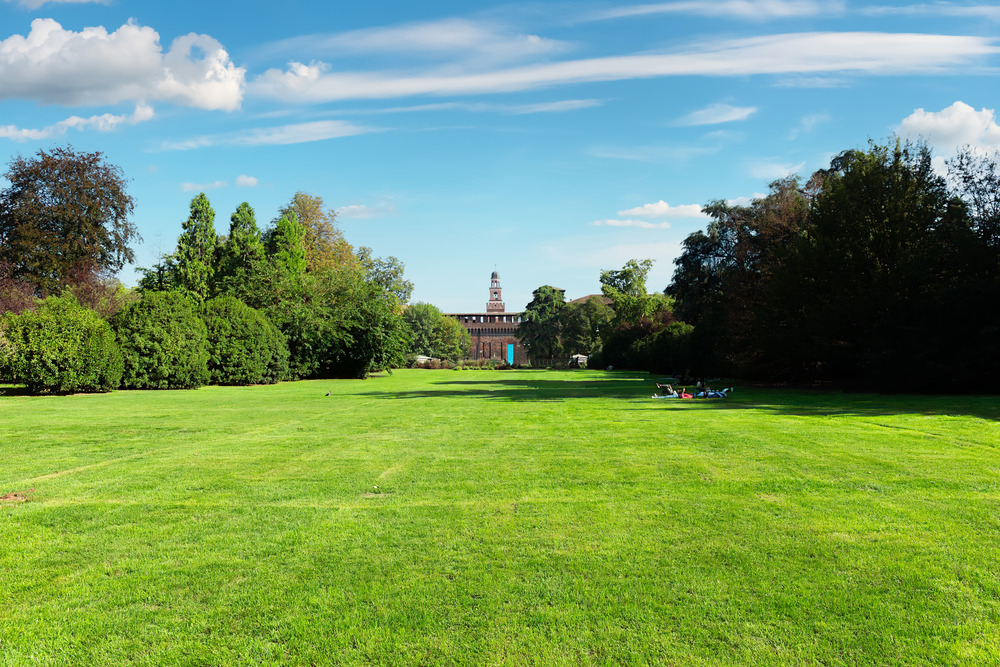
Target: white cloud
x=195, y=187
x=773, y=170
x=477, y=42
x=653, y=153
x=745, y=201
x=559, y=106
x=738, y=9
x=56, y=66
x=35, y=4
x=951, y=128
x=103, y=123
x=816, y=53
x=642, y=224
x=363, y=212
x=989, y=12
x=298, y=133
x=245, y=181
x=714, y=114
x=662, y=209
x=807, y=124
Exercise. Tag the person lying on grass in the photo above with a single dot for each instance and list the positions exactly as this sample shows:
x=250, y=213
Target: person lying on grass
x=670, y=392
x=707, y=392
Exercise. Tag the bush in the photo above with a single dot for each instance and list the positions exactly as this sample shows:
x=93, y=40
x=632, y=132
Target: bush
x=61, y=347
x=164, y=341
x=244, y=347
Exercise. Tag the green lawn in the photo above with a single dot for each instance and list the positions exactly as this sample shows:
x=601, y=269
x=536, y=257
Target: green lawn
x=520, y=517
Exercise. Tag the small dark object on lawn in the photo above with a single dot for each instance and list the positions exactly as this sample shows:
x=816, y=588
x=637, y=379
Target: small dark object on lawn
x=327, y=393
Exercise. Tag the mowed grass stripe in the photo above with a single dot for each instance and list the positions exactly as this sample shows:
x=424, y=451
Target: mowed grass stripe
x=499, y=517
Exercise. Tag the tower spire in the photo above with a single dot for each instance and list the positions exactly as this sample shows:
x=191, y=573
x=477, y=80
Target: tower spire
x=495, y=304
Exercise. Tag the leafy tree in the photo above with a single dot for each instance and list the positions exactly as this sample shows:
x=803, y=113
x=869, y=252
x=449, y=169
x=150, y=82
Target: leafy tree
x=61, y=347
x=877, y=257
x=627, y=290
x=323, y=241
x=164, y=341
x=195, y=257
x=541, y=325
x=386, y=272
x=62, y=209
x=241, y=256
x=583, y=324
x=286, y=246
x=244, y=347
x=434, y=334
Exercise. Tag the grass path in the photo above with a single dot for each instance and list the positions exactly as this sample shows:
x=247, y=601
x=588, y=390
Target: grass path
x=521, y=517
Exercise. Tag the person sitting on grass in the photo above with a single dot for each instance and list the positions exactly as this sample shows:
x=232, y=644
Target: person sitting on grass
x=669, y=392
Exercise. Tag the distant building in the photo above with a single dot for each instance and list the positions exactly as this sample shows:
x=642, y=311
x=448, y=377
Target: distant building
x=494, y=333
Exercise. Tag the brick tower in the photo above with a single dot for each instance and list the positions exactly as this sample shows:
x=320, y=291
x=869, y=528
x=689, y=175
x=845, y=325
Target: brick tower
x=495, y=304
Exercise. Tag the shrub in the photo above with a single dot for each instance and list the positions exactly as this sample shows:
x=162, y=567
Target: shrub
x=244, y=347
x=164, y=341
x=61, y=347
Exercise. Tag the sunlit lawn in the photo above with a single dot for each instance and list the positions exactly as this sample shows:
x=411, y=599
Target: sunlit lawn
x=498, y=517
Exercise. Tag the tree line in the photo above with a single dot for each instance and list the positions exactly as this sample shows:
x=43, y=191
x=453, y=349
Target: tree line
x=876, y=272
x=292, y=300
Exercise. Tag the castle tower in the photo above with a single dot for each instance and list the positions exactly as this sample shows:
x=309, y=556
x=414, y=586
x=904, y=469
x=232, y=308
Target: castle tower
x=495, y=304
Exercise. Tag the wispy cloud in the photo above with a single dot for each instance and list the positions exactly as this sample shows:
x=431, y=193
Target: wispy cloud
x=479, y=43
x=298, y=133
x=816, y=54
x=202, y=187
x=35, y=4
x=953, y=127
x=774, y=170
x=558, y=106
x=364, y=212
x=715, y=114
x=103, y=123
x=673, y=154
x=988, y=12
x=245, y=181
x=754, y=10
x=807, y=124
x=642, y=224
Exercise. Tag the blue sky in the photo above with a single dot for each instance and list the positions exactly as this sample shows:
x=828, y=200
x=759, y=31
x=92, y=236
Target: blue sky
x=546, y=141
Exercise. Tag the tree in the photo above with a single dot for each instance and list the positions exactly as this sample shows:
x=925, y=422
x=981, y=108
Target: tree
x=286, y=246
x=241, y=256
x=627, y=290
x=541, y=326
x=387, y=272
x=63, y=209
x=583, y=324
x=877, y=258
x=323, y=241
x=434, y=334
x=193, y=263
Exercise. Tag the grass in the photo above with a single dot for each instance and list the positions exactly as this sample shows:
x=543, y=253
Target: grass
x=521, y=517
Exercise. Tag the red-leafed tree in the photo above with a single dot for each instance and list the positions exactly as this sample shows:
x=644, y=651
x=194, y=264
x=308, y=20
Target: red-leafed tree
x=64, y=209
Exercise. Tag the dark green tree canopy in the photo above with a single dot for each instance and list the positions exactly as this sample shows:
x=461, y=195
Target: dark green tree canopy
x=61, y=210
x=541, y=325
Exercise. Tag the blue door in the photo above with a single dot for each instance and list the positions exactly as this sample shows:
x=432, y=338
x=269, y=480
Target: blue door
x=510, y=354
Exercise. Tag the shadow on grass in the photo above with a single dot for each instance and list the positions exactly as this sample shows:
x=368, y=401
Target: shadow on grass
x=637, y=389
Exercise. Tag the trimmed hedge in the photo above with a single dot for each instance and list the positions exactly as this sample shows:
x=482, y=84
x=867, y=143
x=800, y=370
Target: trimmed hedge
x=244, y=347
x=61, y=347
x=164, y=342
